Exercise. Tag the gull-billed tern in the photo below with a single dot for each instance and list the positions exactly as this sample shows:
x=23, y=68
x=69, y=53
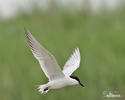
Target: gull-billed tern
x=57, y=78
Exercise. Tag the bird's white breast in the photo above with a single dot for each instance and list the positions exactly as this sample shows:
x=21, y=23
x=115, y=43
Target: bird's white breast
x=66, y=81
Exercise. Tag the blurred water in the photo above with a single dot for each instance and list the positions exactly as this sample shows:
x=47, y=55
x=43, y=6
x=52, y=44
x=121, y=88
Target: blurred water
x=9, y=8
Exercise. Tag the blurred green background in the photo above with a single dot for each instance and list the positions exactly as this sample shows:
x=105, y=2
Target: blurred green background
x=100, y=38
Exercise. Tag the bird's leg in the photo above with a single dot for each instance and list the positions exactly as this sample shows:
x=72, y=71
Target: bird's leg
x=45, y=89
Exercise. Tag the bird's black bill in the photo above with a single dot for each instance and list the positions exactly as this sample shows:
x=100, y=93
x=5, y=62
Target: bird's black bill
x=81, y=84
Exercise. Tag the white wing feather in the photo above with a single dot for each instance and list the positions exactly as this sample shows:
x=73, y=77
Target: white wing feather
x=73, y=63
x=47, y=61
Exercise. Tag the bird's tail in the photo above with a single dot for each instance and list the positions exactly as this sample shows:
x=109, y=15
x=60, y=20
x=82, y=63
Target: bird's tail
x=43, y=89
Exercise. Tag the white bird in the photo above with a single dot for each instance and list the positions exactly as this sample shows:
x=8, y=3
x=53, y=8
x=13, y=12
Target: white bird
x=57, y=78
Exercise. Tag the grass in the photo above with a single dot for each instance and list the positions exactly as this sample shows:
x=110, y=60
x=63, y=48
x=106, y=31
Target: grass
x=100, y=38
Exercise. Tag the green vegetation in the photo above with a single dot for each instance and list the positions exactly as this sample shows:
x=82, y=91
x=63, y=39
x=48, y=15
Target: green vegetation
x=100, y=38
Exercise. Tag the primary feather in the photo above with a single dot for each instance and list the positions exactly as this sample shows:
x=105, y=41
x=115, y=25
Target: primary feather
x=47, y=61
x=73, y=63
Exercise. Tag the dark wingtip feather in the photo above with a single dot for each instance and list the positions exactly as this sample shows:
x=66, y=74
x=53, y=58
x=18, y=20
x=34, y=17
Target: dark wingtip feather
x=76, y=47
x=28, y=38
x=27, y=33
x=26, y=30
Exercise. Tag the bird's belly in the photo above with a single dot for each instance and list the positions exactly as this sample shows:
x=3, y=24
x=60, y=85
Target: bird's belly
x=59, y=84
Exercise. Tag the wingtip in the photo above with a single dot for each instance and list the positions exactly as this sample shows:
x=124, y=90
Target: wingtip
x=25, y=29
x=27, y=32
x=76, y=48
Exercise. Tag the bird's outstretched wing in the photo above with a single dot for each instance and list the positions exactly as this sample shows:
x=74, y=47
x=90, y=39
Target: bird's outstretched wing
x=73, y=63
x=47, y=61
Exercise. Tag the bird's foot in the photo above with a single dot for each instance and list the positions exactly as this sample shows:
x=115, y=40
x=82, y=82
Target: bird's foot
x=43, y=89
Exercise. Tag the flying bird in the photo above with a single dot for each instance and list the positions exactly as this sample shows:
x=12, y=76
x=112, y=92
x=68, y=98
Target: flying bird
x=57, y=78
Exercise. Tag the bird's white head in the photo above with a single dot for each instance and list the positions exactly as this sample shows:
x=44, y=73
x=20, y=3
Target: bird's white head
x=76, y=80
